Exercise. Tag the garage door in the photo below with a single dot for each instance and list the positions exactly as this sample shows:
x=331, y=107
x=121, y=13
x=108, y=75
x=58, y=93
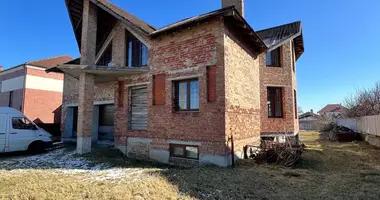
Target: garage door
x=139, y=113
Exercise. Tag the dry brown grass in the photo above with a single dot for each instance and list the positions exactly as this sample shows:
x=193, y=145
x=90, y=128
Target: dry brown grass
x=328, y=170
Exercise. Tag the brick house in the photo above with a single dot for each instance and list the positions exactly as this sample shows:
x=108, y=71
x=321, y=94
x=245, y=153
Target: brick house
x=193, y=92
x=29, y=89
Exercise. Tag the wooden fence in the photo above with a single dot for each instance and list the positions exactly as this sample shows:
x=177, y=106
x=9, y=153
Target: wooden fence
x=366, y=124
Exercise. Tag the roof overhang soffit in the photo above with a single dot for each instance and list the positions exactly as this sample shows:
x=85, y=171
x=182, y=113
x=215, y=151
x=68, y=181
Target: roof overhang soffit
x=75, y=10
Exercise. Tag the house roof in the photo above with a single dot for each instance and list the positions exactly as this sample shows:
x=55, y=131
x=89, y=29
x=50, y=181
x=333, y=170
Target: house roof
x=231, y=16
x=276, y=36
x=50, y=62
x=75, y=9
x=307, y=114
x=126, y=15
x=332, y=108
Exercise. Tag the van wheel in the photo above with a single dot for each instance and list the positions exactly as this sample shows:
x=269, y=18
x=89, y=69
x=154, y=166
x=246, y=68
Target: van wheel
x=37, y=147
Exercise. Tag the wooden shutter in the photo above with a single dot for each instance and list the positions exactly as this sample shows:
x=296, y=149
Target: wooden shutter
x=159, y=89
x=211, y=83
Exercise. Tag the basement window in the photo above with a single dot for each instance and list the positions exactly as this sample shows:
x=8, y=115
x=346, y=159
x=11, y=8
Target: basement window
x=137, y=52
x=184, y=151
x=273, y=58
x=186, y=95
x=274, y=102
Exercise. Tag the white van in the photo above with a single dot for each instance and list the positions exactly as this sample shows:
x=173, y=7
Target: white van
x=18, y=133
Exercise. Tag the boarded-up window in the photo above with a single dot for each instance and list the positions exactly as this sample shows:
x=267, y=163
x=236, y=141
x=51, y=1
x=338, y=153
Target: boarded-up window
x=211, y=83
x=159, y=89
x=138, y=111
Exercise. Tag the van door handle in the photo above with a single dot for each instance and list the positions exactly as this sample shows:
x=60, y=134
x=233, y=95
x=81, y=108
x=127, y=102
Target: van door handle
x=2, y=133
x=13, y=133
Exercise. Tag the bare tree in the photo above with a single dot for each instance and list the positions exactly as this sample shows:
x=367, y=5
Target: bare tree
x=300, y=111
x=364, y=102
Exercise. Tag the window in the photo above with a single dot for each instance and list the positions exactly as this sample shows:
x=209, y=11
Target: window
x=10, y=103
x=137, y=52
x=22, y=123
x=273, y=58
x=274, y=102
x=184, y=151
x=187, y=95
x=106, y=58
x=295, y=104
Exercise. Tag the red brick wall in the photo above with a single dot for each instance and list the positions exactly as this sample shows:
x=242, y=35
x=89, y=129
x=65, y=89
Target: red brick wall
x=43, y=74
x=43, y=106
x=211, y=83
x=284, y=77
x=242, y=93
x=193, y=50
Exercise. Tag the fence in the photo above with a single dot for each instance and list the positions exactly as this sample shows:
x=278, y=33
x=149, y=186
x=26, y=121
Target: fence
x=366, y=124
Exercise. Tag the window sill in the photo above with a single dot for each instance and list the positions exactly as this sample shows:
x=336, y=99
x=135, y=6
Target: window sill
x=276, y=118
x=183, y=158
x=186, y=111
x=273, y=66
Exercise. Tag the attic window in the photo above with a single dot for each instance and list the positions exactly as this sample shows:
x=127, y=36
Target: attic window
x=273, y=58
x=137, y=52
x=106, y=58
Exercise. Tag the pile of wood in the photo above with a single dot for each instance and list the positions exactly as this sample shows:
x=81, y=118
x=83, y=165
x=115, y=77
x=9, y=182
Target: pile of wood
x=286, y=154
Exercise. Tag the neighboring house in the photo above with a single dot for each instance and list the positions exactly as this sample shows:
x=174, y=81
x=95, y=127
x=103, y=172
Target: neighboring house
x=193, y=92
x=29, y=89
x=308, y=121
x=332, y=111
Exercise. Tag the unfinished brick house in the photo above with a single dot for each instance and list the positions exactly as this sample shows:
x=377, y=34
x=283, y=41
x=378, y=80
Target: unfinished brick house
x=193, y=92
x=27, y=88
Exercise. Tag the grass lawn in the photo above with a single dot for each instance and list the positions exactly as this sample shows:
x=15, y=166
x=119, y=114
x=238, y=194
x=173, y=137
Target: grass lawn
x=328, y=170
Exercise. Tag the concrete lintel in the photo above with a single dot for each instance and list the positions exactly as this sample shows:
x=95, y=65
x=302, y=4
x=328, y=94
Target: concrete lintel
x=137, y=84
x=137, y=139
x=185, y=77
x=96, y=103
x=274, y=85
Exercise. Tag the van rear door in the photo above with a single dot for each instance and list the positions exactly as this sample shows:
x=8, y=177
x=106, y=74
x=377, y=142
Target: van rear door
x=3, y=132
x=21, y=133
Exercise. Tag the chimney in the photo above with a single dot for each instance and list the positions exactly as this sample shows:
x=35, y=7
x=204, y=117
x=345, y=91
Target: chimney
x=311, y=111
x=1, y=68
x=239, y=5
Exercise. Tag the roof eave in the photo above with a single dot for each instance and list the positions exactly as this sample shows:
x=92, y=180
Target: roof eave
x=229, y=12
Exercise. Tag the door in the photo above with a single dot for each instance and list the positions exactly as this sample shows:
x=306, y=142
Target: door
x=3, y=132
x=138, y=110
x=106, y=122
x=21, y=133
